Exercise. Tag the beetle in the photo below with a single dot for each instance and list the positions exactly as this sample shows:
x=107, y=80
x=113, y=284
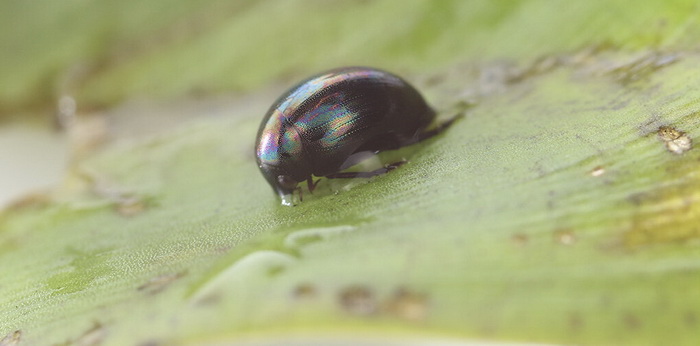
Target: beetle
x=333, y=120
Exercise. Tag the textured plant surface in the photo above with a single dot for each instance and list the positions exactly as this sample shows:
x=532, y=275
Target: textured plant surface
x=560, y=209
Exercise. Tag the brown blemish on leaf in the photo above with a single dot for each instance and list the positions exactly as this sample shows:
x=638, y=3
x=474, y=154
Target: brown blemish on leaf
x=407, y=305
x=666, y=211
x=675, y=141
x=12, y=339
x=597, y=171
x=668, y=214
x=520, y=239
x=575, y=321
x=631, y=321
x=150, y=343
x=91, y=337
x=305, y=291
x=538, y=67
x=358, y=300
x=130, y=205
x=641, y=67
x=125, y=203
x=159, y=283
x=690, y=319
x=30, y=201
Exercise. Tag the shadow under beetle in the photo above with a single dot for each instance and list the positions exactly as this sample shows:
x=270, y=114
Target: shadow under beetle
x=333, y=120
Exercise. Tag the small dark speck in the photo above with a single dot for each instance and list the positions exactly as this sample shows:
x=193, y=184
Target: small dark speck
x=91, y=337
x=691, y=319
x=305, y=291
x=357, y=300
x=435, y=79
x=520, y=239
x=408, y=305
x=150, y=343
x=159, y=283
x=631, y=321
x=575, y=321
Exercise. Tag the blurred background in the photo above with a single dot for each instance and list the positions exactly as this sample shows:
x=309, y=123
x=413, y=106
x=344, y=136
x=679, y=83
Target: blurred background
x=76, y=74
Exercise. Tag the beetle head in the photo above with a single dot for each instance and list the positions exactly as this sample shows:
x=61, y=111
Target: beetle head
x=282, y=181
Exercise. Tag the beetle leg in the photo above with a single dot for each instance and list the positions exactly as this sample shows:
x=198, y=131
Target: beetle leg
x=380, y=171
x=438, y=129
x=301, y=196
x=311, y=184
x=394, y=165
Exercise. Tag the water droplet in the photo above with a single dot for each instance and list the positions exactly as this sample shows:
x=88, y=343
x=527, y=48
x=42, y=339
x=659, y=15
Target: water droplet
x=238, y=276
x=312, y=235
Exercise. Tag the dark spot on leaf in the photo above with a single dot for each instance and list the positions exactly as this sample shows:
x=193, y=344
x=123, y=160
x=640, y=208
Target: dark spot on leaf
x=676, y=141
x=91, y=337
x=520, y=239
x=130, y=205
x=435, y=79
x=126, y=203
x=575, y=321
x=357, y=300
x=305, y=291
x=667, y=213
x=690, y=319
x=12, y=339
x=159, y=283
x=641, y=67
x=150, y=343
x=597, y=171
x=31, y=201
x=408, y=305
x=631, y=320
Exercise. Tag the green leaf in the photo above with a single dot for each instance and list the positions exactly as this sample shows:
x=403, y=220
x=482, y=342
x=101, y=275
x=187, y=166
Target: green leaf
x=560, y=209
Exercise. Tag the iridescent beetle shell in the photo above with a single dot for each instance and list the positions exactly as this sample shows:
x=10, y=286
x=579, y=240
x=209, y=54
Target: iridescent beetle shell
x=324, y=124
